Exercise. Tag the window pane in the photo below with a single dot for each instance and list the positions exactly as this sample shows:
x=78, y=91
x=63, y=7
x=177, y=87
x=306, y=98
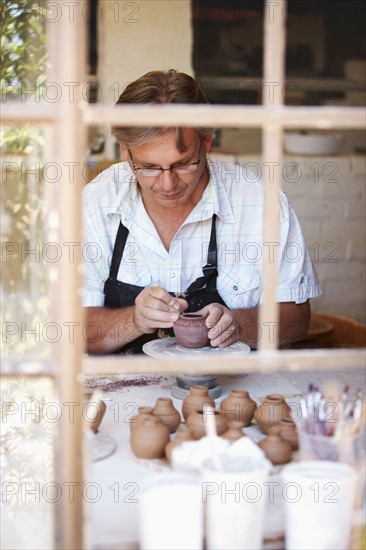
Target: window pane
x=29, y=492
x=24, y=284
x=24, y=57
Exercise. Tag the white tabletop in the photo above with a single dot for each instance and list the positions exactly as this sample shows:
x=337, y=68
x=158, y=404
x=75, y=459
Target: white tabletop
x=118, y=480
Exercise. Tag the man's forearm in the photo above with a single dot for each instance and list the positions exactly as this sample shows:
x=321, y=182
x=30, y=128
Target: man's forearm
x=293, y=323
x=109, y=329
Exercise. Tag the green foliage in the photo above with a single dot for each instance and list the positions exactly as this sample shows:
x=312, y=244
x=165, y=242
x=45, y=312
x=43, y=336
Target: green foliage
x=23, y=58
x=23, y=66
x=18, y=140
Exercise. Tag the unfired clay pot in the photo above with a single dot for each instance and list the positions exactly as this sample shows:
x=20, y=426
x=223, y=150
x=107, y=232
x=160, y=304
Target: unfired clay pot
x=102, y=407
x=197, y=422
x=235, y=430
x=238, y=406
x=167, y=413
x=198, y=395
x=183, y=434
x=143, y=412
x=276, y=449
x=272, y=410
x=149, y=438
x=288, y=432
x=190, y=330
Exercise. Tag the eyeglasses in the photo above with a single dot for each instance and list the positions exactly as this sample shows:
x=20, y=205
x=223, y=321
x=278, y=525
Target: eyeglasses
x=179, y=169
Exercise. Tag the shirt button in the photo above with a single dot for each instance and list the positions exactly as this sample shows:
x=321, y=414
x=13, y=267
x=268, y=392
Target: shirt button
x=235, y=287
x=172, y=276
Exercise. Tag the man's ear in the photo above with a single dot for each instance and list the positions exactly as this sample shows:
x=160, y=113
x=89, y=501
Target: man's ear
x=124, y=152
x=208, y=142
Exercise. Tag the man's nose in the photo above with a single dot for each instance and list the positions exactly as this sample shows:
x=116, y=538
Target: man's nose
x=167, y=180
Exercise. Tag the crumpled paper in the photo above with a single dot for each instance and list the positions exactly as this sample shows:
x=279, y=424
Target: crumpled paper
x=219, y=453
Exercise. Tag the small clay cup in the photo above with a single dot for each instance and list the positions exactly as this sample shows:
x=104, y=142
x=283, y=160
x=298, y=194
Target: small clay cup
x=167, y=413
x=143, y=412
x=288, y=432
x=276, y=449
x=183, y=434
x=235, y=430
x=190, y=330
x=198, y=395
x=149, y=438
x=238, y=406
x=271, y=411
x=197, y=423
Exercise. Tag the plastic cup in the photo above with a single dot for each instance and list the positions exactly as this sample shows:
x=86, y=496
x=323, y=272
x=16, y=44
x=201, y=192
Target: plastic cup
x=235, y=498
x=319, y=499
x=171, y=513
x=347, y=448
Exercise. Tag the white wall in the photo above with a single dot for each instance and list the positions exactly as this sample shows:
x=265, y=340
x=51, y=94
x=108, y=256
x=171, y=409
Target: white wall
x=137, y=37
x=329, y=197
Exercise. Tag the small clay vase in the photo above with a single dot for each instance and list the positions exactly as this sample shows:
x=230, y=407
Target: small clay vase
x=197, y=422
x=235, y=430
x=190, y=330
x=198, y=395
x=238, y=406
x=102, y=407
x=149, y=438
x=276, y=449
x=271, y=411
x=143, y=412
x=183, y=434
x=288, y=432
x=167, y=413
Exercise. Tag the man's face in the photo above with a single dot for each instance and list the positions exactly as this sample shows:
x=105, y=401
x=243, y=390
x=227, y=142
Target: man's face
x=171, y=189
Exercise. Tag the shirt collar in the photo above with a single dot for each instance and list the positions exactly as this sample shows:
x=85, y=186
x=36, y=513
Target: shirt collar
x=126, y=194
x=215, y=199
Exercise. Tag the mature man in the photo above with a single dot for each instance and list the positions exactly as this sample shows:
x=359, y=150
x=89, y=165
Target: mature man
x=176, y=231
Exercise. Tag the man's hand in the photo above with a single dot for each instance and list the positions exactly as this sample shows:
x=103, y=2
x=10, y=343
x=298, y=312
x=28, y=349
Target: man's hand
x=156, y=308
x=224, y=328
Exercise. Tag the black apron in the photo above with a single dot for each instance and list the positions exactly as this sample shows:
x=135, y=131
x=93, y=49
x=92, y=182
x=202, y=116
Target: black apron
x=199, y=294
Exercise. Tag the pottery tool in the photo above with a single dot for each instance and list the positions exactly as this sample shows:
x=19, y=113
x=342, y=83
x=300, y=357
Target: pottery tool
x=211, y=432
x=331, y=412
x=210, y=424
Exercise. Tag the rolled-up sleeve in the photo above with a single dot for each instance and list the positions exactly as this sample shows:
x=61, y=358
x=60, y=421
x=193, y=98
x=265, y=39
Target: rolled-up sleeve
x=297, y=279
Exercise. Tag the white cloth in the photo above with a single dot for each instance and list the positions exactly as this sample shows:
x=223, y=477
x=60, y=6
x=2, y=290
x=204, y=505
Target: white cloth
x=113, y=197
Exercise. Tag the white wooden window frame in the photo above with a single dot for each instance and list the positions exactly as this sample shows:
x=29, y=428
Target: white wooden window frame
x=69, y=120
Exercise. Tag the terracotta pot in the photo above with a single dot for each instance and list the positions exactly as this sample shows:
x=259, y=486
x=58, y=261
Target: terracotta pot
x=197, y=420
x=288, y=432
x=149, y=438
x=238, y=406
x=190, y=330
x=165, y=410
x=276, y=449
x=198, y=395
x=272, y=410
x=183, y=434
x=143, y=412
x=102, y=407
x=235, y=430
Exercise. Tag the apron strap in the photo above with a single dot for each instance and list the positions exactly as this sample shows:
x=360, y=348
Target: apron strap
x=210, y=272
x=118, y=249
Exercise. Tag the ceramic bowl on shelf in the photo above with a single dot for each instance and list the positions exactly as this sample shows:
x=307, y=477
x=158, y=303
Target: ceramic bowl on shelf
x=312, y=144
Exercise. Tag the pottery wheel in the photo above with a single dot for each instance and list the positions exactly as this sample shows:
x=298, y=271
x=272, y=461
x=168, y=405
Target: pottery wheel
x=184, y=382
x=180, y=393
x=170, y=347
